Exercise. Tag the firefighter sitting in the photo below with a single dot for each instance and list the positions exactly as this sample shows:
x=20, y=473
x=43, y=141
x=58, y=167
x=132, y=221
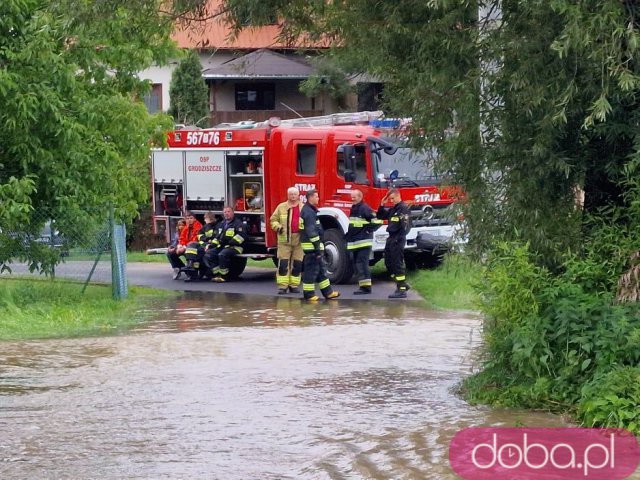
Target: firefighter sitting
x=196, y=268
x=229, y=235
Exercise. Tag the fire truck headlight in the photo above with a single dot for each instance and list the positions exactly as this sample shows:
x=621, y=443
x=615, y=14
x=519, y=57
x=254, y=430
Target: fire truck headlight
x=427, y=212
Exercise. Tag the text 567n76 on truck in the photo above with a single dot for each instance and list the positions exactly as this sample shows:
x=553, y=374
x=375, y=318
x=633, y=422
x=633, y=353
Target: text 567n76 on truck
x=249, y=166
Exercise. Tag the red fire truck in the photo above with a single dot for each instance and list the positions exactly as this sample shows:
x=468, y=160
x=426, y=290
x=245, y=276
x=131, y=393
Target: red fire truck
x=250, y=165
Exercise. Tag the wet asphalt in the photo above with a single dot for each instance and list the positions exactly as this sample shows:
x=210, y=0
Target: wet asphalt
x=253, y=281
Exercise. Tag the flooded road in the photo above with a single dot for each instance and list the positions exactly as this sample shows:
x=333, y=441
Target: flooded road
x=222, y=386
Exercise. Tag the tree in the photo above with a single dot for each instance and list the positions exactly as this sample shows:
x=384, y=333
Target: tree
x=329, y=80
x=189, y=93
x=73, y=139
x=527, y=102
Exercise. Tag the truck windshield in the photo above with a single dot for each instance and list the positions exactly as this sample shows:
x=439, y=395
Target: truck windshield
x=413, y=167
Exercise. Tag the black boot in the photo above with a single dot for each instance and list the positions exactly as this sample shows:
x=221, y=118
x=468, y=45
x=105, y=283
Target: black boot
x=363, y=291
x=399, y=294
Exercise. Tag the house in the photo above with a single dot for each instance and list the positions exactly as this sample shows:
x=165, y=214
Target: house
x=253, y=76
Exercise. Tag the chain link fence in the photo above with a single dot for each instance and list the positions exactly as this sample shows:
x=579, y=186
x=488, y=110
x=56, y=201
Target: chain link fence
x=87, y=246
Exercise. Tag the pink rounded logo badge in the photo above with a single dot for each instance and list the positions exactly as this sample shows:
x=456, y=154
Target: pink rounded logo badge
x=489, y=453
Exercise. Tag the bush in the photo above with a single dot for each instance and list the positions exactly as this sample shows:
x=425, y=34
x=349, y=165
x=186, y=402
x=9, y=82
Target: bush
x=613, y=400
x=553, y=343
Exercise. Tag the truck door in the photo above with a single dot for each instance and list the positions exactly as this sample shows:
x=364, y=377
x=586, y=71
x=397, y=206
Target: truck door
x=306, y=155
x=352, y=171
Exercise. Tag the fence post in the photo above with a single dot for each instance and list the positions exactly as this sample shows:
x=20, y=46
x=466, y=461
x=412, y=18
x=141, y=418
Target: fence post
x=118, y=258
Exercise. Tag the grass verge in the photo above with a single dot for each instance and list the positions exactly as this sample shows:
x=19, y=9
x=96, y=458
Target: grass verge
x=52, y=308
x=450, y=286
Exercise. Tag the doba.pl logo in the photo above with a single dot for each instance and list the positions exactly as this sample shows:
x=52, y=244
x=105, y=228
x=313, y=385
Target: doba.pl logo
x=544, y=453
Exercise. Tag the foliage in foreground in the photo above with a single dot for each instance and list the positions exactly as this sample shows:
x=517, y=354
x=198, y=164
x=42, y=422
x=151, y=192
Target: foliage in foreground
x=74, y=136
x=558, y=342
x=47, y=308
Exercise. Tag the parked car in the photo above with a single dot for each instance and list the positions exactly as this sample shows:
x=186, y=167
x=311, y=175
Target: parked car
x=49, y=236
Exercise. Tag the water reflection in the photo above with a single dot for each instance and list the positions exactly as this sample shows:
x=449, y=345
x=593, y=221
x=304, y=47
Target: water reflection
x=232, y=387
x=203, y=310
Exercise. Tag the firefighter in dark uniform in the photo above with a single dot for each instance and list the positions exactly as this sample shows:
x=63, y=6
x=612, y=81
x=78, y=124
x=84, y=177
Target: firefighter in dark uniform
x=313, y=270
x=362, y=224
x=399, y=218
x=195, y=251
x=228, y=238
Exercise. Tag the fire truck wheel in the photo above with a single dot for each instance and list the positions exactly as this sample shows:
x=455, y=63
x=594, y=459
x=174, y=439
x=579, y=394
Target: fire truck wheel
x=238, y=265
x=339, y=268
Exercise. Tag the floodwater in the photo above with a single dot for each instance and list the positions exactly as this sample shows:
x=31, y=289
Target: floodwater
x=221, y=386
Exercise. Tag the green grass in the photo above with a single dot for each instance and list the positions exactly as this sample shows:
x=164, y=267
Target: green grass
x=450, y=286
x=52, y=308
x=143, y=257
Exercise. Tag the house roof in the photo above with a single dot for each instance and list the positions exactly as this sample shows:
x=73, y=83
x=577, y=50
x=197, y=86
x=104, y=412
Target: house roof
x=216, y=34
x=264, y=64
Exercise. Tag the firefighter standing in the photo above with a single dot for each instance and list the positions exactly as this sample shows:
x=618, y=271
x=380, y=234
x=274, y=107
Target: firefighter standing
x=313, y=270
x=228, y=238
x=285, y=220
x=362, y=224
x=399, y=222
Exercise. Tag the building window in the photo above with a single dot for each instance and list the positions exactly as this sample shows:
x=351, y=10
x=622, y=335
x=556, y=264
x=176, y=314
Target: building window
x=370, y=96
x=306, y=164
x=153, y=99
x=255, y=96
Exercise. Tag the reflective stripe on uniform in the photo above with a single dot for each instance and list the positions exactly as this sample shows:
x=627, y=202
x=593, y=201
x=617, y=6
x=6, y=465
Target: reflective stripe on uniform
x=394, y=219
x=365, y=282
x=324, y=284
x=191, y=251
x=230, y=232
x=308, y=287
x=357, y=222
x=294, y=280
x=238, y=238
x=360, y=244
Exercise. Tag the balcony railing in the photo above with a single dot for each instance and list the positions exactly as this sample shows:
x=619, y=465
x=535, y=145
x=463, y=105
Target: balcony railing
x=258, y=115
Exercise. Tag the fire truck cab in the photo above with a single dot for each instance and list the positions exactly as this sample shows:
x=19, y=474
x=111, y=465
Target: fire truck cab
x=250, y=165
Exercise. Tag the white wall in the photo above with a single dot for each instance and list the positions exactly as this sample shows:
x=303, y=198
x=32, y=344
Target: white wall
x=160, y=75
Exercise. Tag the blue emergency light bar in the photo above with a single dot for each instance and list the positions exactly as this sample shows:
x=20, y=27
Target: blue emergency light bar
x=387, y=123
